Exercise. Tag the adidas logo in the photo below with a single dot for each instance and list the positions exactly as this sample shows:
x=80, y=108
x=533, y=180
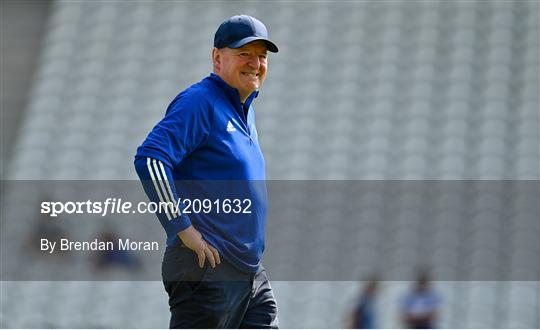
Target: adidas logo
x=230, y=127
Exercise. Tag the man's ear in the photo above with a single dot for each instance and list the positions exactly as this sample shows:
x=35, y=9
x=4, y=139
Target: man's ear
x=216, y=59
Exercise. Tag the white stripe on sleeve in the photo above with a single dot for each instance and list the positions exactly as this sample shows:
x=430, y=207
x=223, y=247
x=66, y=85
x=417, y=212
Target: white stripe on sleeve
x=156, y=185
x=168, y=186
x=162, y=185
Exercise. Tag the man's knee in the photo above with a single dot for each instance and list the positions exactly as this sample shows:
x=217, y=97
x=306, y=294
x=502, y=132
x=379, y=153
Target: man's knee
x=262, y=312
x=195, y=316
x=211, y=306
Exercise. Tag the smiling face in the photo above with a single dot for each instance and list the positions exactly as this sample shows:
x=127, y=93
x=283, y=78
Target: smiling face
x=242, y=68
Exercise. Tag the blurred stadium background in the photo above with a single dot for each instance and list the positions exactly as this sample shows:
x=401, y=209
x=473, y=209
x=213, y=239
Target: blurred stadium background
x=430, y=90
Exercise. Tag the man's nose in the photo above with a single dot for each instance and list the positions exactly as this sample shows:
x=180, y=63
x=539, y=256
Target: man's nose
x=254, y=62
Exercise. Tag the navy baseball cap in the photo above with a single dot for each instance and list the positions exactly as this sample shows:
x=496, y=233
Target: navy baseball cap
x=239, y=30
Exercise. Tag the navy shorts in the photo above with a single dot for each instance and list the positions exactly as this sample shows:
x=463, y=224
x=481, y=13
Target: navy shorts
x=221, y=297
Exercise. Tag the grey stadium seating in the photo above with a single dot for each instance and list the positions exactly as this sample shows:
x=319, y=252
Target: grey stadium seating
x=359, y=91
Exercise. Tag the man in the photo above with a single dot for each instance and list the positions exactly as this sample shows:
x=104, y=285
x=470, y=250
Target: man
x=212, y=265
x=421, y=306
x=364, y=315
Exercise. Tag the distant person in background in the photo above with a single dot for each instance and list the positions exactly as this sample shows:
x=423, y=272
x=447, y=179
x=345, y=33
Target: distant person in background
x=45, y=227
x=420, y=308
x=115, y=258
x=364, y=315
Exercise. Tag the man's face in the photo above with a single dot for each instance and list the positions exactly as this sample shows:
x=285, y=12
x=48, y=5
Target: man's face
x=242, y=68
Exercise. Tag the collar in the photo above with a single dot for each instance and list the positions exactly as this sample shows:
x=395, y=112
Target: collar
x=232, y=92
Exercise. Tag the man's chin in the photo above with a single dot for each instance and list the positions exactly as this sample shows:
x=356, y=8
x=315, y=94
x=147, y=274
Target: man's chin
x=252, y=88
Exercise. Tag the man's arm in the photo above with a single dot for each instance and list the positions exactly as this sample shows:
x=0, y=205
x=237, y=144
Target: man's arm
x=158, y=184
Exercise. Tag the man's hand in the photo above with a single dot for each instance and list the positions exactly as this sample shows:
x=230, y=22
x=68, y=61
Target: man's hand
x=194, y=241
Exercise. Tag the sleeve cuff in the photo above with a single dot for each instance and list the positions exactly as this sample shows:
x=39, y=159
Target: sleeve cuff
x=176, y=225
